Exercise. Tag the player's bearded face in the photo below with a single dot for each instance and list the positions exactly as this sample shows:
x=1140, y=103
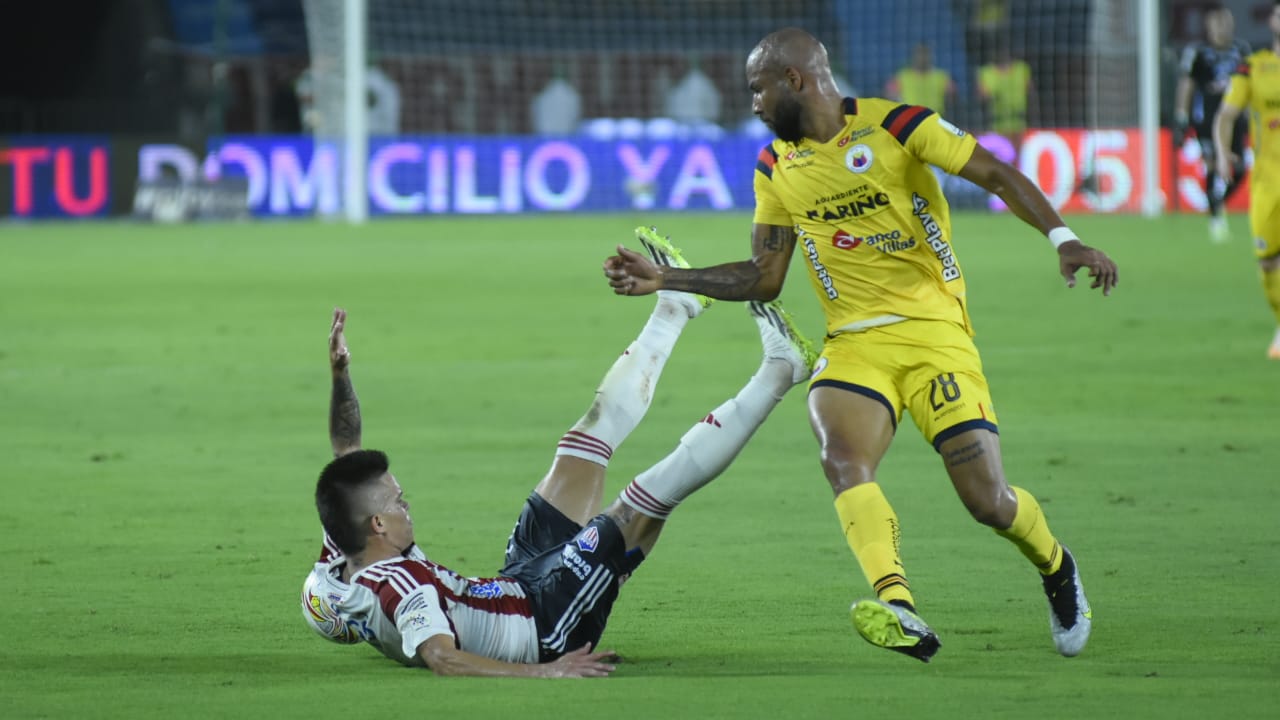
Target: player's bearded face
x=787, y=116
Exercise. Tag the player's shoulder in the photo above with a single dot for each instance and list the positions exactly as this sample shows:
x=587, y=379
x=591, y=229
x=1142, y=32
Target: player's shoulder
x=768, y=158
x=1256, y=59
x=398, y=577
x=870, y=109
x=899, y=119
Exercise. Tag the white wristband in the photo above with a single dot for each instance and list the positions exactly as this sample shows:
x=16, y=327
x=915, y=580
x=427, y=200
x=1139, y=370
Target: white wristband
x=1059, y=235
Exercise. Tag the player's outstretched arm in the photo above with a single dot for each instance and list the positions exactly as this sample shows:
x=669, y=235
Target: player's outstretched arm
x=344, y=408
x=759, y=278
x=1224, y=130
x=1032, y=207
x=443, y=658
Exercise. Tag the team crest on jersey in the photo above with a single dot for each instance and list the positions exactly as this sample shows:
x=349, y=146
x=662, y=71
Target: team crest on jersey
x=588, y=540
x=859, y=158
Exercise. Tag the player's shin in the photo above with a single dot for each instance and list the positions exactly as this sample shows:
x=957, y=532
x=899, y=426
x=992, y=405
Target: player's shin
x=626, y=391
x=710, y=446
x=871, y=529
x=1030, y=532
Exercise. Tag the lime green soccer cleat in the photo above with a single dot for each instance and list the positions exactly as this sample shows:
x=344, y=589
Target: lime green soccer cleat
x=894, y=627
x=663, y=253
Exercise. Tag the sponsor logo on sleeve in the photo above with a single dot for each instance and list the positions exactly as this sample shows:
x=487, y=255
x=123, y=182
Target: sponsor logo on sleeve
x=820, y=270
x=950, y=128
x=933, y=238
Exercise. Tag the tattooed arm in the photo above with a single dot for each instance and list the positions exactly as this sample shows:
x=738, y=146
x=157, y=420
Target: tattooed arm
x=759, y=278
x=344, y=408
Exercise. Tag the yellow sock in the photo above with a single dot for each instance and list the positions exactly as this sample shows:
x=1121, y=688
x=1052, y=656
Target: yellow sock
x=1271, y=286
x=1030, y=532
x=871, y=529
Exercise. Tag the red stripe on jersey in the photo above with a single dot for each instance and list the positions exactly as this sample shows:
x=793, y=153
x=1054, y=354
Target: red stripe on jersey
x=1242, y=68
x=904, y=118
x=328, y=551
x=601, y=447
x=393, y=581
x=768, y=156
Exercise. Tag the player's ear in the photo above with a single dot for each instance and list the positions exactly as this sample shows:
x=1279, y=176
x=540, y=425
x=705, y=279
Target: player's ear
x=794, y=79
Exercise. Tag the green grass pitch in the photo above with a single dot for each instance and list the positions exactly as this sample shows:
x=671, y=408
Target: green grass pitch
x=164, y=395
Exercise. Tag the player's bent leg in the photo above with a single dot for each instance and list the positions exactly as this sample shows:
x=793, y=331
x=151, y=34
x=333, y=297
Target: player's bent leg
x=621, y=401
x=854, y=430
x=973, y=461
x=707, y=449
x=573, y=486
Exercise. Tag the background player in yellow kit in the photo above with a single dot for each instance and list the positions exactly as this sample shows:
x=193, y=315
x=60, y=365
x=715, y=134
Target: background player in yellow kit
x=849, y=180
x=1256, y=86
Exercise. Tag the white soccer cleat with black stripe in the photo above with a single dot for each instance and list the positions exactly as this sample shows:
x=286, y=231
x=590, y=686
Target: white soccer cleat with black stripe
x=782, y=339
x=1070, y=617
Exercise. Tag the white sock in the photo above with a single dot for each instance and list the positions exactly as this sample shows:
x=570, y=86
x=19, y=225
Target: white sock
x=707, y=449
x=627, y=389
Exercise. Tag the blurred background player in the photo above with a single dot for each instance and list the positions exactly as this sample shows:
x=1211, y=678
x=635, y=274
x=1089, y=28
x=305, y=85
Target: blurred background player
x=1206, y=69
x=1255, y=86
x=565, y=560
x=1004, y=85
x=921, y=83
x=876, y=237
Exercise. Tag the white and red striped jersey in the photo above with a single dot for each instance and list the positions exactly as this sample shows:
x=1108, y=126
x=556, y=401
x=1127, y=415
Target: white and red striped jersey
x=397, y=604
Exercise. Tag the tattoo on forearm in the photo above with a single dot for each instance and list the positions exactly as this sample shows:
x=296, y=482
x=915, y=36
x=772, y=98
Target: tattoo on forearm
x=732, y=281
x=965, y=454
x=344, y=414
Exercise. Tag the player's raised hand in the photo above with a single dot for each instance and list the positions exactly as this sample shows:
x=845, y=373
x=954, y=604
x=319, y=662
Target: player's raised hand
x=339, y=356
x=1073, y=255
x=631, y=273
x=581, y=663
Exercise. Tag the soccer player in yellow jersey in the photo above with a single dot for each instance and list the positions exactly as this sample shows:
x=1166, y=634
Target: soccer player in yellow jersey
x=1256, y=86
x=920, y=83
x=849, y=182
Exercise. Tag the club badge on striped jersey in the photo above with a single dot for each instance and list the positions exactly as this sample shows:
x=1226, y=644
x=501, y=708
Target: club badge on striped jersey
x=859, y=158
x=588, y=540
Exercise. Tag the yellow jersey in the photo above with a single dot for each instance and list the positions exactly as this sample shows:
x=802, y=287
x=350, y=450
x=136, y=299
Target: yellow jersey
x=871, y=221
x=928, y=88
x=1255, y=87
x=1006, y=87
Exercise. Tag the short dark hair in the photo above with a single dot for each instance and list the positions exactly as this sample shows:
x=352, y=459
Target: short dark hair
x=337, y=498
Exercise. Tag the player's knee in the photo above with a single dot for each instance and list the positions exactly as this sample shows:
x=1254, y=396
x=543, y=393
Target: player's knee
x=844, y=469
x=994, y=507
